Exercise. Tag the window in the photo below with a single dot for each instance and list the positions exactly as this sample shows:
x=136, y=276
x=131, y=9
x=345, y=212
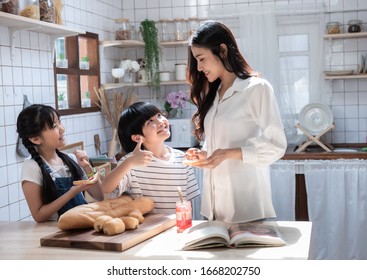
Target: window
x=299, y=65
x=77, y=73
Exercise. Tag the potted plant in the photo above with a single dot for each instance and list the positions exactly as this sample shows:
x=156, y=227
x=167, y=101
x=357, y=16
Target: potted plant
x=61, y=62
x=86, y=100
x=176, y=101
x=61, y=101
x=84, y=63
x=130, y=67
x=151, y=53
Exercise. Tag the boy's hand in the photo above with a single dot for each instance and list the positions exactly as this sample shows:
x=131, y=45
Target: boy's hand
x=141, y=157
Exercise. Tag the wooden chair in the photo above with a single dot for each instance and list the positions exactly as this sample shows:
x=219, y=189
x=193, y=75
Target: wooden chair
x=72, y=147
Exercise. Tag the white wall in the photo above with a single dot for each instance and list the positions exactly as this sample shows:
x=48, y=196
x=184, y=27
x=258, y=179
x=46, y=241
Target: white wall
x=31, y=73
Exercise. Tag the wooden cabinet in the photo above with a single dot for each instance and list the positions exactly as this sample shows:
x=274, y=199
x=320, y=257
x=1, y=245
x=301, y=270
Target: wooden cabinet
x=77, y=79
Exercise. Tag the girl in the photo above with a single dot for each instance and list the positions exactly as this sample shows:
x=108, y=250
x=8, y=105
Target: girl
x=150, y=168
x=238, y=114
x=47, y=177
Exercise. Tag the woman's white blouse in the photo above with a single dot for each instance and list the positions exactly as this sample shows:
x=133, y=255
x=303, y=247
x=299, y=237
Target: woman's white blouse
x=247, y=117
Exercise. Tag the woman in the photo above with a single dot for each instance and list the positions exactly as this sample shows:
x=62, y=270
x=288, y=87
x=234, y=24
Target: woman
x=238, y=117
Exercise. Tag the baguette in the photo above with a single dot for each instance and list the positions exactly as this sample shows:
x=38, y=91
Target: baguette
x=100, y=221
x=114, y=226
x=84, y=216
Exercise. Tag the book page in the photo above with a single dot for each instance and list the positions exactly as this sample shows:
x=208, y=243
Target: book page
x=255, y=234
x=205, y=235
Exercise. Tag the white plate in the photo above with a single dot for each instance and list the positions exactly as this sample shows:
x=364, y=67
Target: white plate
x=315, y=117
x=338, y=73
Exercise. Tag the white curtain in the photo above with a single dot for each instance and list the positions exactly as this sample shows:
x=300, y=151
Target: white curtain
x=258, y=39
x=337, y=206
x=282, y=175
x=258, y=31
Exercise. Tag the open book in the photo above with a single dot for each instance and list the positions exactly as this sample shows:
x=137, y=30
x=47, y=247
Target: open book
x=217, y=234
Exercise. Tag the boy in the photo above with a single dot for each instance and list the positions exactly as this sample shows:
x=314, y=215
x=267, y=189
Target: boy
x=150, y=168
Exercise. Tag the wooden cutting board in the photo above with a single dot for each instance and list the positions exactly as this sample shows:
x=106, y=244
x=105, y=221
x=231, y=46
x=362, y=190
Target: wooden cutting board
x=90, y=239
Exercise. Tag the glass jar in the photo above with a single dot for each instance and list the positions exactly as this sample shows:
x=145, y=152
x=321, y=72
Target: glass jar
x=354, y=26
x=47, y=12
x=165, y=30
x=180, y=29
x=183, y=215
x=123, y=32
x=333, y=27
x=193, y=25
x=31, y=9
x=11, y=7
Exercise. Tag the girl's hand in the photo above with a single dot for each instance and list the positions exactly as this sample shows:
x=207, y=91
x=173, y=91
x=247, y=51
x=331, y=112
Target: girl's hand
x=82, y=158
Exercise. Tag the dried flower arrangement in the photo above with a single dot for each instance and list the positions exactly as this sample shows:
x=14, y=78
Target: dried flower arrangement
x=112, y=113
x=112, y=109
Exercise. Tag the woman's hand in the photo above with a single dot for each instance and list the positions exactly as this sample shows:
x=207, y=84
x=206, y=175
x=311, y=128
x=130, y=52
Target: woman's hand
x=214, y=159
x=194, y=154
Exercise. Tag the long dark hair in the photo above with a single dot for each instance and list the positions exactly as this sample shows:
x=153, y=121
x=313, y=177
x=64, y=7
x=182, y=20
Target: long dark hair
x=211, y=35
x=132, y=121
x=31, y=122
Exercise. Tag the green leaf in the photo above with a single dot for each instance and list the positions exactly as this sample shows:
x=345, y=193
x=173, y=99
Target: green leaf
x=151, y=53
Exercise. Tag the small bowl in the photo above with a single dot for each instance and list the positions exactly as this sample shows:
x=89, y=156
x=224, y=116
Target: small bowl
x=118, y=73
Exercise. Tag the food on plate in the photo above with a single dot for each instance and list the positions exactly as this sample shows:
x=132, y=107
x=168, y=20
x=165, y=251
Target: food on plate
x=114, y=226
x=91, y=180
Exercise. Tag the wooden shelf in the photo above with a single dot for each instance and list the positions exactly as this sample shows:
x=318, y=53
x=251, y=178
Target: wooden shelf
x=137, y=44
x=122, y=43
x=347, y=77
x=120, y=85
x=23, y=23
x=346, y=35
x=17, y=23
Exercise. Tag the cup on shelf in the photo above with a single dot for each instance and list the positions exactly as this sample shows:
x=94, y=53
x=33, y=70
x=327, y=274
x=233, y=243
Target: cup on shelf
x=164, y=76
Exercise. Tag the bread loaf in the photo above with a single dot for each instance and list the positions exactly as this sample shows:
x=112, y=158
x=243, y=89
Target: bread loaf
x=114, y=226
x=100, y=221
x=84, y=216
x=130, y=222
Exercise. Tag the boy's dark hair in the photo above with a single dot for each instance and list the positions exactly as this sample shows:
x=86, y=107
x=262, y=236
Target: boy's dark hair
x=30, y=123
x=132, y=121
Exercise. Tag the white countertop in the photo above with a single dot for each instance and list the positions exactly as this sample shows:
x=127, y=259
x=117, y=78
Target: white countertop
x=21, y=241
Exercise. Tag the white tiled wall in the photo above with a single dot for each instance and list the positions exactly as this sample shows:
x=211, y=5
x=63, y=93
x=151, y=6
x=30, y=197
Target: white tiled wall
x=30, y=72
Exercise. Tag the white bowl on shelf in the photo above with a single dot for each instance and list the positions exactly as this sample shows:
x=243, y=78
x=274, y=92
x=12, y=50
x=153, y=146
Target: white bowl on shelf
x=118, y=73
